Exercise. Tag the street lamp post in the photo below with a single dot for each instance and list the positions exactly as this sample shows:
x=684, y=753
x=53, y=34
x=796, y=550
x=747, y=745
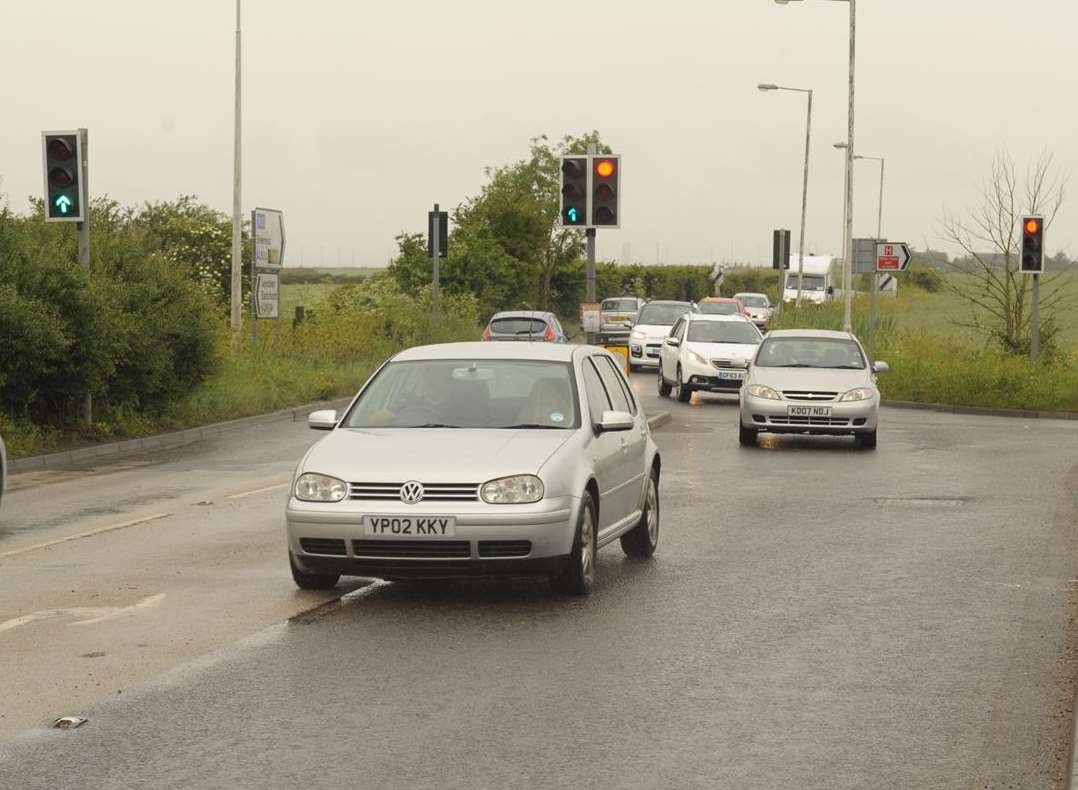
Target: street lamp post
x=847, y=323
x=804, y=189
x=845, y=180
x=875, y=277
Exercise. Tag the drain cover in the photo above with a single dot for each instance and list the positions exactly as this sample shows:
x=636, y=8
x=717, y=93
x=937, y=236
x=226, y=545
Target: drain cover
x=923, y=501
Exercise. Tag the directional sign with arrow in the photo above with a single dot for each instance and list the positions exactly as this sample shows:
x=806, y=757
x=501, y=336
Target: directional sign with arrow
x=892, y=256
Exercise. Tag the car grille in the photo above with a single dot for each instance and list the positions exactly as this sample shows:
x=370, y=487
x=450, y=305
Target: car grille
x=806, y=395
x=505, y=548
x=413, y=549
x=332, y=546
x=728, y=363
x=829, y=422
x=432, y=492
x=653, y=349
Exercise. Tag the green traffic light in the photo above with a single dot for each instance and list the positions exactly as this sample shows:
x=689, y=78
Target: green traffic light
x=63, y=203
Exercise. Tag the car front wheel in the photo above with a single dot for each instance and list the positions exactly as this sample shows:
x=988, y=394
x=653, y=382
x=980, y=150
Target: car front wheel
x=578, y=577
x=746, y=437
x=867, y=441
x=684, y=391
x=312, y=581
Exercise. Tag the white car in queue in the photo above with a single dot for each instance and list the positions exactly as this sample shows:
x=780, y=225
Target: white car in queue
x=478, y=459
x=811, y=381
x=708, y=353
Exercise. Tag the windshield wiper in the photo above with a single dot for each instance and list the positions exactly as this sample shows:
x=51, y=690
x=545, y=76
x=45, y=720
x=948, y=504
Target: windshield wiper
x=532, y=425
x=849, y=367
x=431, y=425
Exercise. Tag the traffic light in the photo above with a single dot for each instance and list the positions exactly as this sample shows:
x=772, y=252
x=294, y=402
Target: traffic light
x=64, y=190
x=574, y=191
x=1032, y=244
x=605, y=174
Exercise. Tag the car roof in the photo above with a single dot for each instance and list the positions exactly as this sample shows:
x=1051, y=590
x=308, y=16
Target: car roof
x=610, y=298
x=712, y=317
x=718, y=299
x=668, y=301
x=824, y=333
x=749, y=293
x=550, y=352
x=521, y=314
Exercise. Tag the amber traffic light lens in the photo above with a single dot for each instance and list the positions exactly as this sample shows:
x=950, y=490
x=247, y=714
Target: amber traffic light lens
x=1032, y=226
x=605, y=168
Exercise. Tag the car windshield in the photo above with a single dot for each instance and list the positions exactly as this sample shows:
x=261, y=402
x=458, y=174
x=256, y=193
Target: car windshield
x=719, y=308
x=753, y=301
x=810, y=352
x=810, y=282
x=619, y=305
x=518, y=326
x=662, y=314
x=462, y=393
x=723, y=332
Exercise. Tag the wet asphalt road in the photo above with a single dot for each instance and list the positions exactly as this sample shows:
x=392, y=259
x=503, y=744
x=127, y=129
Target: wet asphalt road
x=816, y=617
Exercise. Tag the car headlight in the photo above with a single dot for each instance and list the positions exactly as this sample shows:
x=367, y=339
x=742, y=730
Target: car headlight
x=636, y=334
x=694, y=357
x=861, y=393
x=312, y=487
x=760, y=391
x=515, y=490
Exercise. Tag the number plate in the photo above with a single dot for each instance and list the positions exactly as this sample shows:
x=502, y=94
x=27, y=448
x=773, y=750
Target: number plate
x=410, y=526
x=808, y=411
x=736, y=375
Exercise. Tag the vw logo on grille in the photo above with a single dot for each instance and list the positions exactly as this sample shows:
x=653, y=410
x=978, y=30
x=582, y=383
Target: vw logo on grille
x=411, y=492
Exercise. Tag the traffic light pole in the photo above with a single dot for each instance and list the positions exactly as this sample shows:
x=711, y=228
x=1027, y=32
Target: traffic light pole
x=589, y=236
x=1035, y=340
x=84, y=242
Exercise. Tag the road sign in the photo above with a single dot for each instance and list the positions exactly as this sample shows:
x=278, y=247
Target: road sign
x=267, y=294
x=268, y=237
x=443, y=234
x=65, y=186
x=864, y=255
x=892, y=256
x=780, y=249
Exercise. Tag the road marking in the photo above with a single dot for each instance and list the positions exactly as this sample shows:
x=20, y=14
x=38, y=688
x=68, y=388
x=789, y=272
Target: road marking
x=256, y=491
x=122, y=525
x=88, y=615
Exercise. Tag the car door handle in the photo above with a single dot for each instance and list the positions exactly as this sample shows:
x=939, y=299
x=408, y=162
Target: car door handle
x=624, y=444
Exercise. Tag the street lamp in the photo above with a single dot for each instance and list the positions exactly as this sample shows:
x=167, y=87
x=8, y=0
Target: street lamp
x=845, y=179
x=847, y=323
x=804, y=187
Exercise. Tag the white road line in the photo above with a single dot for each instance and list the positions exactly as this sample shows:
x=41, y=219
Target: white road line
x=256, y=491
x=123, y=525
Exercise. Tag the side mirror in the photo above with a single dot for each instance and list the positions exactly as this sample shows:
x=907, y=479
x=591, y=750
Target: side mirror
x=673, y=341
x=615, y=421
x=325, y=420
x=880, y=367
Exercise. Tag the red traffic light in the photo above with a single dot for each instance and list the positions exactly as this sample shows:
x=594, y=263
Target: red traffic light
x=1032, y=225
x=604, y=168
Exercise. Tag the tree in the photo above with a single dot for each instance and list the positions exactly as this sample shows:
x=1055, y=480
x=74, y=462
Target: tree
x=988, y=275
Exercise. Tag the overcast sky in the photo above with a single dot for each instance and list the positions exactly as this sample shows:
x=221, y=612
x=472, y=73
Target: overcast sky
x=359, y=115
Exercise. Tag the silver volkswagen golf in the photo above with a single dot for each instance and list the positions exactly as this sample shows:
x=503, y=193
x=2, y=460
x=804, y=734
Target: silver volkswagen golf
x=478, y=459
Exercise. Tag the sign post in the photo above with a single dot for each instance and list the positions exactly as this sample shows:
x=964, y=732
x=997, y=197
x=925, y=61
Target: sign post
x=267, y=258
x=891, y=257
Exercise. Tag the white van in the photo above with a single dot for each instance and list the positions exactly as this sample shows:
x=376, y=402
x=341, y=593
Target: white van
x=819, y=280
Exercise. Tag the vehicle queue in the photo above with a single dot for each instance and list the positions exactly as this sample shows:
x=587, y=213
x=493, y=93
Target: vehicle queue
x=526, y=458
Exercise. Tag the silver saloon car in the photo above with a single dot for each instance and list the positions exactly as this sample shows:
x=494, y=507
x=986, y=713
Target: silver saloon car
x=810, y=381
x=478, y=459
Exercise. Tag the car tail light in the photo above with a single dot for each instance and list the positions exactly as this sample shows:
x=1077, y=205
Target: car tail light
x=548, y=335
x=486, y=332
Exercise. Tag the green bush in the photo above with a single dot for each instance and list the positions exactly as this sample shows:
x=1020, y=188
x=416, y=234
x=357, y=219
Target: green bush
x=925, y=279
x=756, y=280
